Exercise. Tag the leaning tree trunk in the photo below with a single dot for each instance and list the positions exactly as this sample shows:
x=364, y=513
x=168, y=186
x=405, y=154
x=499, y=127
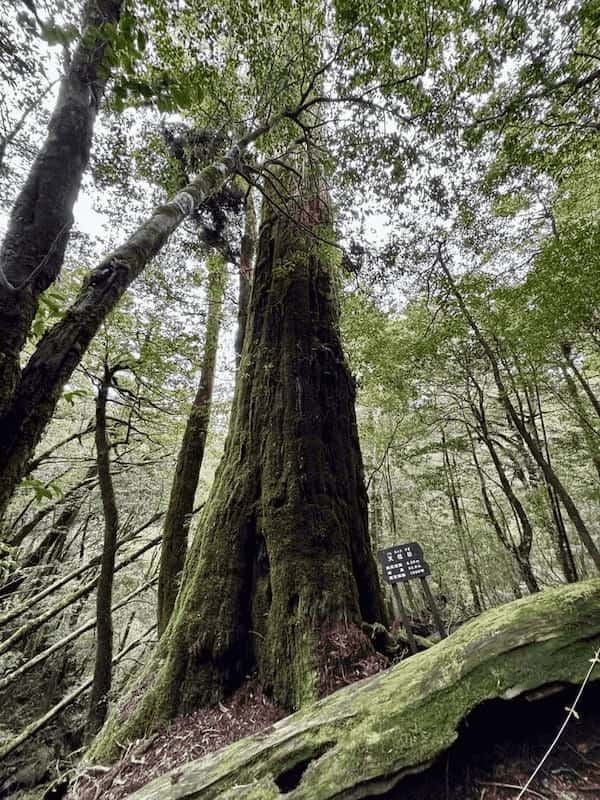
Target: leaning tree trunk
x=41, y=219
x=63, y=346
x=104, y=630
x=282, y=551
x=191, y=454
x=517, y=420
x=522, y=550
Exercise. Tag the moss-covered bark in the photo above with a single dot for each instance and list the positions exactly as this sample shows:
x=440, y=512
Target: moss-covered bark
x=282, y=551
x=361, y=740
x=245, y=275
x=63, y=346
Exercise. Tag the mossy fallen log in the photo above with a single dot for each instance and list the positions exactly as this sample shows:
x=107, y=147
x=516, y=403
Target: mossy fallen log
x=362, y=740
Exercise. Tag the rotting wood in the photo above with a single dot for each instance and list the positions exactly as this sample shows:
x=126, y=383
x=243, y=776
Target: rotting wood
x=361, y=740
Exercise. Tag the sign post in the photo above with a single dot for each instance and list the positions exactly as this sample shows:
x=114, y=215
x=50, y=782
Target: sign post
x=402, y=563
x=404, y=618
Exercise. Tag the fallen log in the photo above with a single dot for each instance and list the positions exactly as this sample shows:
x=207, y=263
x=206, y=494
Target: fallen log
x=363, y=739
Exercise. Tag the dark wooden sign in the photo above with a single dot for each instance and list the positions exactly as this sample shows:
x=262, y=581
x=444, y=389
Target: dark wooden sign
x=400, y=564
x=403, y=562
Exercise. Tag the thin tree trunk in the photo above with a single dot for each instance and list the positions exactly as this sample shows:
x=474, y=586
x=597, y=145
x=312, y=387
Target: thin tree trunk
x=9, y=137
x=53, y=541
x=561, y=537
x=63, y=580
x=583, y=382
x=104, y=628
x=41, y=218
x=521, y=553
x=88, y=625
x=458, y=526
x=40, y=723
x=70, y=501
x=39, y=460
x=558, y=528
x=376, y=515
x=586, y=428
x=548, y=472
x=191, y=453
x=83, y=591
x=245, y=276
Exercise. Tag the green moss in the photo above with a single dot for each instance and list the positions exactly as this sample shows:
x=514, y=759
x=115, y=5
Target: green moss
x=264, y=789
x=282, y=549
x=401, y=719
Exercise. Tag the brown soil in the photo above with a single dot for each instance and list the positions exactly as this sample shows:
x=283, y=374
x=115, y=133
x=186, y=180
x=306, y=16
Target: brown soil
x=185, y=739
x=346, y=655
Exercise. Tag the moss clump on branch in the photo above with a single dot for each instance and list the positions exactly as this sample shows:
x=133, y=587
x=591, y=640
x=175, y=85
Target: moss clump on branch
x=362, y=739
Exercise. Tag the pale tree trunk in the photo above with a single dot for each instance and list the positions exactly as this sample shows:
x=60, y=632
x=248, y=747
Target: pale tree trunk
x=51, y=544
x=589, y=435
x=83, y=591
x=38, y=230
x=459, y=527
x=560, y=535
x=583, y=382
x=520, y=551
x=191, y=453
x=282, y=552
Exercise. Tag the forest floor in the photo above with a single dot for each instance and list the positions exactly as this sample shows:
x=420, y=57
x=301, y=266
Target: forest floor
x=346, y=656
x=186, y=739
x=498, y=748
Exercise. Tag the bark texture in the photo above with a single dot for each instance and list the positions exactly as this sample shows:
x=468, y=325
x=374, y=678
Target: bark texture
x=363, y=739
x=191, y=454
x=41, y=218
x=282, y=551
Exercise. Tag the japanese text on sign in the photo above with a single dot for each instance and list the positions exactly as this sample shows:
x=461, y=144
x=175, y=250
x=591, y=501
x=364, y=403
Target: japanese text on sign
x=403, y=562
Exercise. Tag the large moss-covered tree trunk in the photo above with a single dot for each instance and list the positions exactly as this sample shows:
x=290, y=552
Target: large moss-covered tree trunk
x=282, y=551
